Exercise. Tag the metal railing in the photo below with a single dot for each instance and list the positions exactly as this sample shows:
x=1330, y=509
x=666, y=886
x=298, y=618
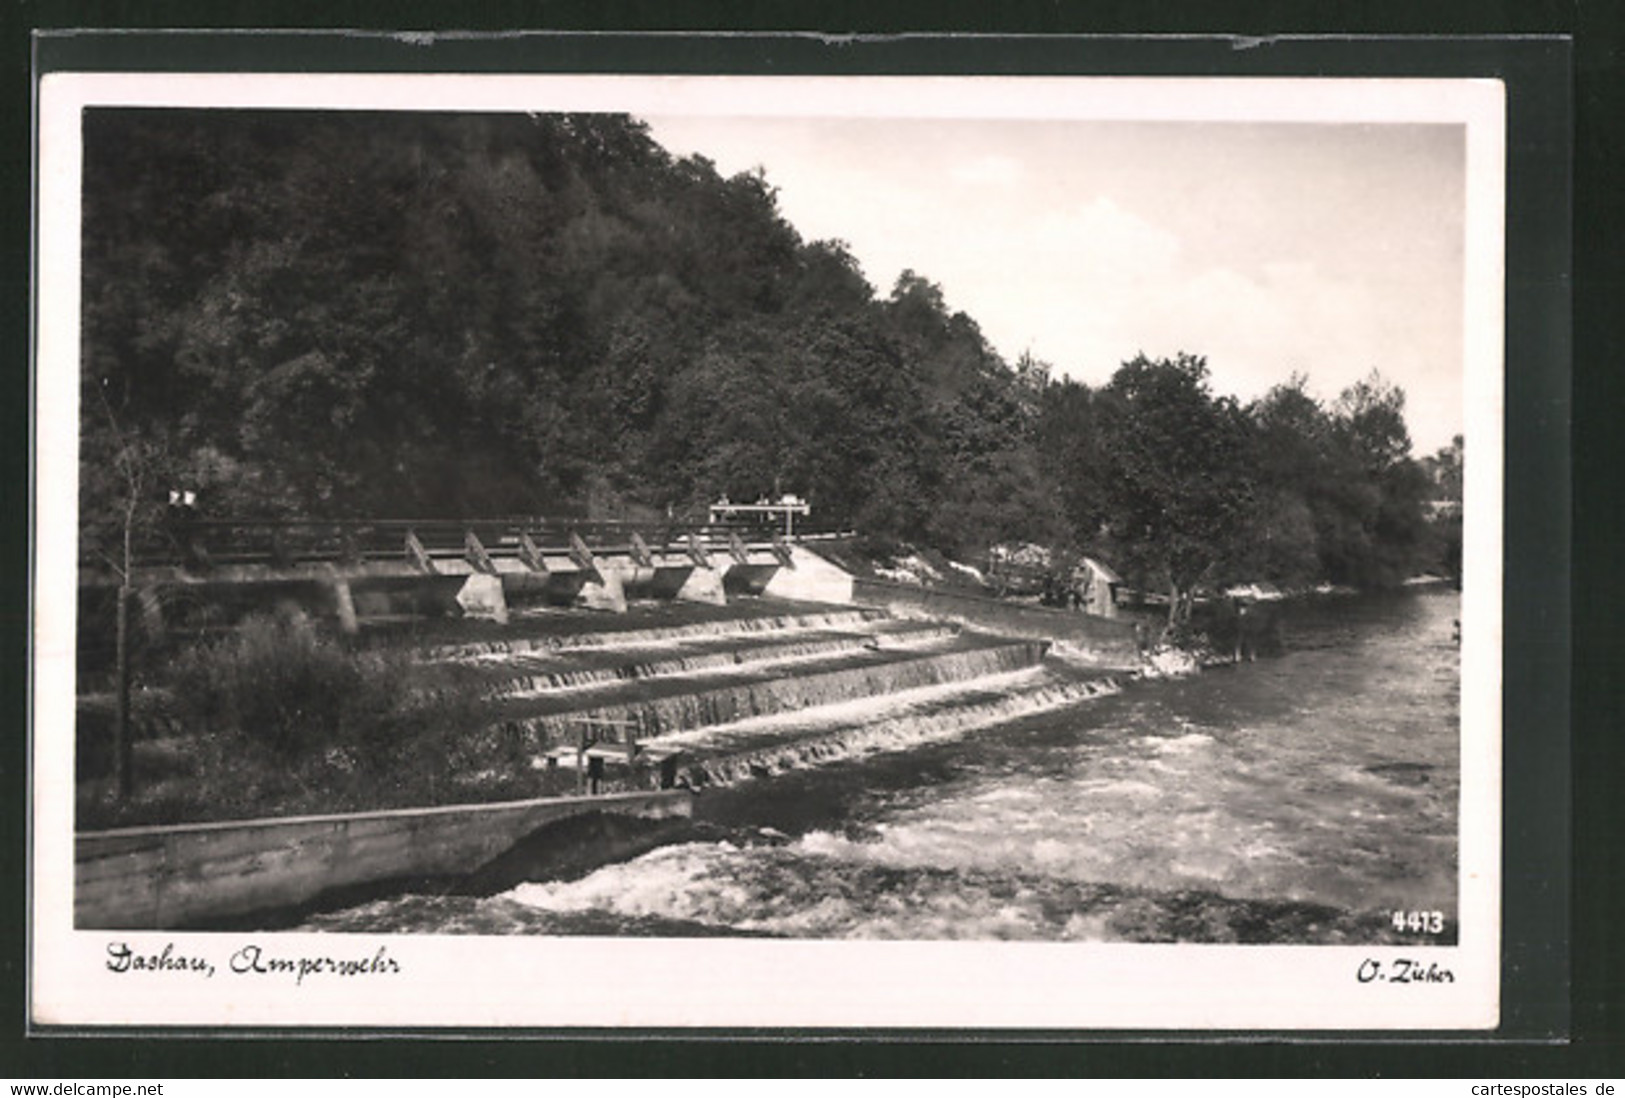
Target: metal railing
x=200, y=544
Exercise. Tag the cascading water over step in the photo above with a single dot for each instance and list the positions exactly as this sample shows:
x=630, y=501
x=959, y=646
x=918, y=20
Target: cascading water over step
x=663, y=706
x=944, y=717
x=552, y=632
x=753, y=694
x=538, y=672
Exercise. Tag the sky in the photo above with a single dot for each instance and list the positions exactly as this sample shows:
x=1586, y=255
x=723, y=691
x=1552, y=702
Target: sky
x=1270, y=248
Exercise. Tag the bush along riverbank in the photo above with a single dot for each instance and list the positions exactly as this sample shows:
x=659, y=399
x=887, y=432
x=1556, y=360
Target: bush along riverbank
x=1248, y=623
x=279, y=718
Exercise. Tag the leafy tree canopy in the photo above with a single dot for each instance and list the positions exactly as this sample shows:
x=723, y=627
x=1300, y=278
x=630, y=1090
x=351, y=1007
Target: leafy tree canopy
x=396, y=314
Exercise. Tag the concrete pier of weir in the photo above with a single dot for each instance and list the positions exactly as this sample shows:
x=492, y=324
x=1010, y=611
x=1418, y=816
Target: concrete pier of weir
x=476, y=581
x=470, y=579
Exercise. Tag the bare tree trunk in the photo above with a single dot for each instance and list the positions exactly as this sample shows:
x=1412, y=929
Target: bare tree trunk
x=1181, y=603
x=136, y=469
x=123, y=748
x=121, y=722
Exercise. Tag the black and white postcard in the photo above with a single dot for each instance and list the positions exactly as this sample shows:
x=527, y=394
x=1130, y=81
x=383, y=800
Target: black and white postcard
x=854, y=553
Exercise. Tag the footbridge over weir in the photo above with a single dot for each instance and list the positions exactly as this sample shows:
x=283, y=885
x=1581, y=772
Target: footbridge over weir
x=210, y=573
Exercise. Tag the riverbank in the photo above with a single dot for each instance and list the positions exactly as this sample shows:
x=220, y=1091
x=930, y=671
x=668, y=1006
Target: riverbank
x=279, y=726
x=278, y=719
x=1294, y=800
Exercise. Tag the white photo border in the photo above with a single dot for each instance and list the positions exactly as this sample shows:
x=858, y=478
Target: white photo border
x=464, y=982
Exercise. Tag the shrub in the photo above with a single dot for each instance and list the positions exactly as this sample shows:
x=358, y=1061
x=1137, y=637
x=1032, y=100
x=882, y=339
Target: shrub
x=279, y=719
x=284, y=686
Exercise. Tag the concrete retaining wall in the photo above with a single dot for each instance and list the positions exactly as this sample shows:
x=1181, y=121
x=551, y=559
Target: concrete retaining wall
x=1105, y=641
x=160, y=877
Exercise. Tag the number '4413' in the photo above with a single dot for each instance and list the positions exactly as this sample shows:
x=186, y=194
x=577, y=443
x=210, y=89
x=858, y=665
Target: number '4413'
x=1419, y=922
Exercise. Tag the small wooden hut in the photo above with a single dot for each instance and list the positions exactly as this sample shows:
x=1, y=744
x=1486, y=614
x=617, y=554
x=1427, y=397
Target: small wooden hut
x=1094, y=588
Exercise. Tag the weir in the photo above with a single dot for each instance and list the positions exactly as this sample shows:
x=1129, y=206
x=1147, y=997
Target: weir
x=647, y=710
x=947, y=716
x=775, y=619
x=647, y=703
x=1108, y=642
x=582, y=668
x=365, y=573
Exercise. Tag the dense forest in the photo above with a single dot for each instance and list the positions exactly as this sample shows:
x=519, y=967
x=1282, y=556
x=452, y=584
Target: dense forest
x=410, y=315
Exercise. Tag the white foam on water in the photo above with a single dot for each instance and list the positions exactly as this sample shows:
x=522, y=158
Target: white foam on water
x=796, y=892
x=713, y=705
x=660, y=635
x=718, y=664
x=1120, y=787
x=836, y=714
x=895, y=733
x=1176, y=745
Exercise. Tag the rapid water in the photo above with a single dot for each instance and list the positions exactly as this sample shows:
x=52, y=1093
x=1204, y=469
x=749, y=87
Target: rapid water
x=1300, y=798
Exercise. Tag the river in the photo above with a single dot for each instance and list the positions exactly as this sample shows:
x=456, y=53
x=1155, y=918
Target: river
x=1301, y=798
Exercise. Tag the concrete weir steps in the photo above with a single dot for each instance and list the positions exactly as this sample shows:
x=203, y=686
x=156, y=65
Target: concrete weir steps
x=773, y=744
x=653, y=624
x=659, y=677
x=656, y=700
x=651, y=708
x=592, y=667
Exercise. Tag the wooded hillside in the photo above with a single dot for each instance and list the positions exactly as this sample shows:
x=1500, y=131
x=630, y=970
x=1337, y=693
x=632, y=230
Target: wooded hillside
x=420, y=315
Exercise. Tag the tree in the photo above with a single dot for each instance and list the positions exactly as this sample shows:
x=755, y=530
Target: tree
x=1444, y=470
x=1372, y=523
x=1288, y=460
x=1178, y=495
x=1072, y=457
x=1001, y=498
x=1370, y=421
x=118, y=475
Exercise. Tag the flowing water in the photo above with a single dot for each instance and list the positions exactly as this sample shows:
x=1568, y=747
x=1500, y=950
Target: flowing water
x=1299, y=798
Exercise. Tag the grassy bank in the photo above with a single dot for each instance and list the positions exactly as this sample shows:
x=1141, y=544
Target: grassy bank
x=278, y=718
